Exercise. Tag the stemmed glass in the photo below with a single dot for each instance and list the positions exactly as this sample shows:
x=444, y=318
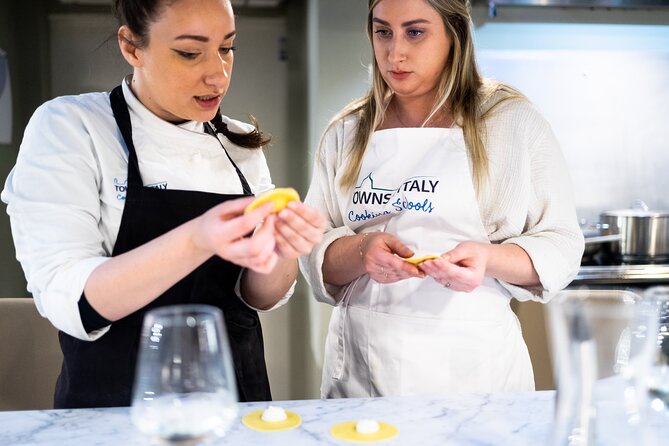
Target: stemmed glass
x=185, y=389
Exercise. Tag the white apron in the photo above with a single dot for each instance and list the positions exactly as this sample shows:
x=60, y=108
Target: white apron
x=416, y=337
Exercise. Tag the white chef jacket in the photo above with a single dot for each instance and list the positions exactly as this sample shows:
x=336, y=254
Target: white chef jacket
x=65, y=195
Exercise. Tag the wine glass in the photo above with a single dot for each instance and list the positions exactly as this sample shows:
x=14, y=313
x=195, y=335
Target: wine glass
x=185, y=389
x=658, y=375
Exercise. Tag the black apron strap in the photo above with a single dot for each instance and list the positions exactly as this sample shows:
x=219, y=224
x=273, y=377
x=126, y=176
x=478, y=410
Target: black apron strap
x=122, y=116
x=208, y=128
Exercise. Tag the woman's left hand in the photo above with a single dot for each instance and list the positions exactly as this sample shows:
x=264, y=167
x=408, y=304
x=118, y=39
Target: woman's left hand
x=460, y=269
x=298, y=228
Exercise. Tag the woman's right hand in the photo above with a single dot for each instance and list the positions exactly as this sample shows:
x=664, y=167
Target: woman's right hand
x=221, y=231
x=382, y=255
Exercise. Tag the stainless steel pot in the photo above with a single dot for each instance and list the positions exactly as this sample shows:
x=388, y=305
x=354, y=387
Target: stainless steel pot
x=644, y=234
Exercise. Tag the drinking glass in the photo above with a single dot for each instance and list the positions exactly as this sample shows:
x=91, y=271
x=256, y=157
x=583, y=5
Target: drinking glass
x=602, y=342
x=658, y=376
x=185, y=390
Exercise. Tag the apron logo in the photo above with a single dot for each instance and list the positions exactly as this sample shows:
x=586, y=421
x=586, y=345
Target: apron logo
x=159, y=185
x=376, y=195
x=121, y=187
x=416, y=184
x=367, y=194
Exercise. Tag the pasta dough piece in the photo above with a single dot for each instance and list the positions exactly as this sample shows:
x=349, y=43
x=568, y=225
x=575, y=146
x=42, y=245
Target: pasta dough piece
x=280, y=196
x=418, y=260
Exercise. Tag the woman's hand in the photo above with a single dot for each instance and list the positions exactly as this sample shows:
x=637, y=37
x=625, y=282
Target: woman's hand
x=298, y=228
x=380, y=252
x=221, y=231
x=460, y=269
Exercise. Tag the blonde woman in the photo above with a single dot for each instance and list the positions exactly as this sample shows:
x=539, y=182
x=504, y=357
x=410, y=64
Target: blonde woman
x=435, y=160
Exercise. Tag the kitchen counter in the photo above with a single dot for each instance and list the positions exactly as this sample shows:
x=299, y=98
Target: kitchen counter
x=499, y=419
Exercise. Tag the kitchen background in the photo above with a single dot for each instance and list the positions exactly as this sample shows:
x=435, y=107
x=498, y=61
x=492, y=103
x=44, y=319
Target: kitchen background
x=600, y=75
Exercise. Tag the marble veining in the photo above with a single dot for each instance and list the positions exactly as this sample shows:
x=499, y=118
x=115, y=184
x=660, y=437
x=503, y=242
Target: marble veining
x=463, y=420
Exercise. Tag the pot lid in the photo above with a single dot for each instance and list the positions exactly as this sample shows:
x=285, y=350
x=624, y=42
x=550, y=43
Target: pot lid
x=635, y=213
x=638, y=208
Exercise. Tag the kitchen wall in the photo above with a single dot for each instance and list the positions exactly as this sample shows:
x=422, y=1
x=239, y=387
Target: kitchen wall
x=605, y=90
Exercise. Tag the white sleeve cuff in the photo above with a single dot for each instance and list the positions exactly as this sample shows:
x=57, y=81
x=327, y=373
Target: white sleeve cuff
x=553, y=269
x=537, y=294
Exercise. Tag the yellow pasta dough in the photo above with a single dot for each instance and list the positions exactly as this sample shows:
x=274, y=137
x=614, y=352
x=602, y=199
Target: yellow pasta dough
x=254, y=421
x=280, y=196
x=347, y=431
x=418, y=260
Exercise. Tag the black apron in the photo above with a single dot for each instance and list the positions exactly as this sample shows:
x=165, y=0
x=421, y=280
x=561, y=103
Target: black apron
x=101, y=373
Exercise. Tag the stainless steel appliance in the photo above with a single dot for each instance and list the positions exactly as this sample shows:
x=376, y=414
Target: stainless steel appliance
x=628, y=275
x=638, y=258
x=606, y=269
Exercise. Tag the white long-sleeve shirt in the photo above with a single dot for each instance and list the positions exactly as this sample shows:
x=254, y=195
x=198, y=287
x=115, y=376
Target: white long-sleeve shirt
x=527, y=199
x=66, y=193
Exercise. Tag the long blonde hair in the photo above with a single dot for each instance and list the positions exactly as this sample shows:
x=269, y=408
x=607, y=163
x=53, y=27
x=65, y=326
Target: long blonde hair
x=470, y=98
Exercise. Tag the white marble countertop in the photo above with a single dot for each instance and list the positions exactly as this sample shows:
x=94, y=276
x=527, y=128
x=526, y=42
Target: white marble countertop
x=499, y=419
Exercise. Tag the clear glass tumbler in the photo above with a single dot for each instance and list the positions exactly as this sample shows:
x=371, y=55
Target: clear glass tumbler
x=185, y=390
x=658, y=376
x=601, y=343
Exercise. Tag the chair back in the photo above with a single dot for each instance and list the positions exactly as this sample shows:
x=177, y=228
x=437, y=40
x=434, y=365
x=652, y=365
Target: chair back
x=30, y=356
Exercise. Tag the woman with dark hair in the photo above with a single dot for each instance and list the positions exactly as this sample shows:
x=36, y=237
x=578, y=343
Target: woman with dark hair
x=435, y=162
x=132, y=200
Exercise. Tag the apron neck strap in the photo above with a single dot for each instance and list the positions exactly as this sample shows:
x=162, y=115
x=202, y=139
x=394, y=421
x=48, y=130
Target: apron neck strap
x=122, y=116
x=210, y=128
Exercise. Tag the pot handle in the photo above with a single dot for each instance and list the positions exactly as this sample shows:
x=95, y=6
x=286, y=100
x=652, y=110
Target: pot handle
x=639, y=205
x=586, y=226
x=603, y=239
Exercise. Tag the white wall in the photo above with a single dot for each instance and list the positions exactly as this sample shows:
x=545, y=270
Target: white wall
x=342, y=57
x=338, y=57
x=605, y=90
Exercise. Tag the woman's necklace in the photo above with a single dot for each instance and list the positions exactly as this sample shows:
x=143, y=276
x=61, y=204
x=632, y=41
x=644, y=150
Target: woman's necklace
x=399, y=119
x=397, y=115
